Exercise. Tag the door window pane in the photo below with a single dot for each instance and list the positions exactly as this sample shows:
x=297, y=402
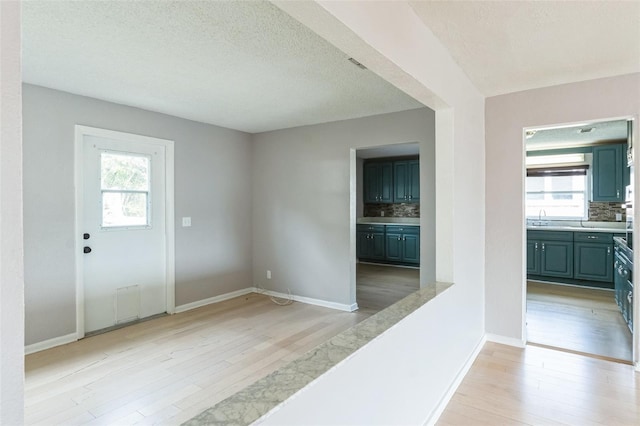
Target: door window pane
x=124, y=180
x=124, y=171
x=124, y=209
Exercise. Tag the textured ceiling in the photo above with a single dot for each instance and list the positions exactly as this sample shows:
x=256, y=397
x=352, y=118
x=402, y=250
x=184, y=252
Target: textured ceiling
x=509, y=46
x=242, y=65
x=571, y=136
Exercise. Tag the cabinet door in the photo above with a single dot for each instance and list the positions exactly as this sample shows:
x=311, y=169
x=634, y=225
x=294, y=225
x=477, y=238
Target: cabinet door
x=556, y=259
x=413, y=181
x=385, y=182
x=394, y=247
x=377, y=245
x=362, y=245
x=411, y=248
x=533, y=257
x=370, y=179
x=608, y=173
x=618, y=281
x=400, y=174
x=593, y=261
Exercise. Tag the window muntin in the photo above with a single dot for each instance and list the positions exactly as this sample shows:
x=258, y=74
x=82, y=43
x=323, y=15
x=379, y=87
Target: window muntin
x=125, y=189
x=557, y=193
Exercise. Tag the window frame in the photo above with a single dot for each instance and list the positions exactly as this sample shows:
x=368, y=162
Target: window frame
x=148, y=192
x=560, y=170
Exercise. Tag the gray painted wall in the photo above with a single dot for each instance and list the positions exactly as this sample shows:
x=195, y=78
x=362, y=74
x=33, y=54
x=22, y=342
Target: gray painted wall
x=301, y=202
x=212, y=185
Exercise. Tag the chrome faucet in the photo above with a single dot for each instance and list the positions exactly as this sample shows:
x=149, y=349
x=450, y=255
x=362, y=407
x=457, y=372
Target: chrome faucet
x=540, y=214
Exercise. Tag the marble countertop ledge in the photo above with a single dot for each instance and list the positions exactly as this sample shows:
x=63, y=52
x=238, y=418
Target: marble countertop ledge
x=258, y=399
x=408, y=221
x=575, y=229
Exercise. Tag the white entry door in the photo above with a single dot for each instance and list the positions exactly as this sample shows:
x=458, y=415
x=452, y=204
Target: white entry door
x=124, y=226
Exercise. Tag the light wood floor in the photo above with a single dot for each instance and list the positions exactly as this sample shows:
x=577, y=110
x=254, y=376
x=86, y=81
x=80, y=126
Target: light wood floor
x=538, y=386
x=578, y=319
x=378, y=287
x=169, y=369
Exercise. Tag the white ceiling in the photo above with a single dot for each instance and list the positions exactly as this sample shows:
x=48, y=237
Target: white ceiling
x=574, y=135
x=509, y=46
x=243, y=65
x=396, y=150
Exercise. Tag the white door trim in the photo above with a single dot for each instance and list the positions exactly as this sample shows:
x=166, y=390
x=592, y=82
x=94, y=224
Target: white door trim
x=80, y=132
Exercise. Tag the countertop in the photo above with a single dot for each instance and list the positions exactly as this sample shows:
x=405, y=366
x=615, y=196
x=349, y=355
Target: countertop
x=406, y=221
x=256, y=400
x=575, y=229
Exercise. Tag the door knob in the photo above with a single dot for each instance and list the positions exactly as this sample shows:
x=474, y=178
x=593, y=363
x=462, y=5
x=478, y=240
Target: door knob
x=87, y=249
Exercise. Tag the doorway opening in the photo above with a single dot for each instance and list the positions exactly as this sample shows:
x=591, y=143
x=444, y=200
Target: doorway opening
x=579, y=224
x=124, y=229
x=387, y=225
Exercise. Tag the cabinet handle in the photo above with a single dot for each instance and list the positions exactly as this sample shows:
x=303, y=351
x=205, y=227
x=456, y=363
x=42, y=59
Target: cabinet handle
x=404, y=239
x=618, y=193
x=592, y=237
x=405, y=197
x=608, y=250
x=630, y=297
x=542, y=246
x=410, y=197
x=399, y=238
x=536, y=246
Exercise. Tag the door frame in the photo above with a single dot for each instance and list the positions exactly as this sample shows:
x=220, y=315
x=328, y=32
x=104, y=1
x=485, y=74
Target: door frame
x=635, y=341
x=168, y=145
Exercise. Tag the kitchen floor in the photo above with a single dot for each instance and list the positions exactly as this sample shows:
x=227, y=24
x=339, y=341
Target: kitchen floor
x=581, y=320
x=380, y=286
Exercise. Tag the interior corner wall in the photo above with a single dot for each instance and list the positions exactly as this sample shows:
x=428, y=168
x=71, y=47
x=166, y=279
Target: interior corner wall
x=301, y=201
x=506, y=116
x=440, y=338
x=11, y=226
x=212, y=186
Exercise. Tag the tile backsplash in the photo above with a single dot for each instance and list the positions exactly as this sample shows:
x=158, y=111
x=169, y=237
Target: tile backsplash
x=605, y=212
x=392, y=210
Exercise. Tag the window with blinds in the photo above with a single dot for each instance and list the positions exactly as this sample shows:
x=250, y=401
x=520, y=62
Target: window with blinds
x=557, y=192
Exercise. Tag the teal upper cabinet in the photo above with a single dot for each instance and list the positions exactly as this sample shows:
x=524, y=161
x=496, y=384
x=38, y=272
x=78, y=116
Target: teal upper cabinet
x=609, y=172
x=378, y=182
x=406, y=178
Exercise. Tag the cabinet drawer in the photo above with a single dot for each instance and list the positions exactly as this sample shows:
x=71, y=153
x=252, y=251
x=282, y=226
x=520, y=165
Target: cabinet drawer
x=370, y=228
x=593, y=237
x=550, y=235
x=400, y=229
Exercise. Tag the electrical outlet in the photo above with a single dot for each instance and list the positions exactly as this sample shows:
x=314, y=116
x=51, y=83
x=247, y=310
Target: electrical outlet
x=382, y=213
x=268, y=274
x=619, y=217
x=186, y=222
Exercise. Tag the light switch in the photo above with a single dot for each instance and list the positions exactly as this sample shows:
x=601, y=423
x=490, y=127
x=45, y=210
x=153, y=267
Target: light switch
x=186, y=222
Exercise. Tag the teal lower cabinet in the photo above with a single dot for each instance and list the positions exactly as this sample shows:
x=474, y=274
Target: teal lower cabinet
x=370, y=243
x=533, y=257
x=389, y=244
x=583, y=258
x=556, y=259
x=402, y=244
x=593, y=262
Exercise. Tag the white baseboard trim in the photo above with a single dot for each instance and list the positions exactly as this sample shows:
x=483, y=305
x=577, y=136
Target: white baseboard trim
x=309, y=300
x=214, y=299
x=63, y=340
x=442, y=405
x=504, y=340
x=50, y=343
